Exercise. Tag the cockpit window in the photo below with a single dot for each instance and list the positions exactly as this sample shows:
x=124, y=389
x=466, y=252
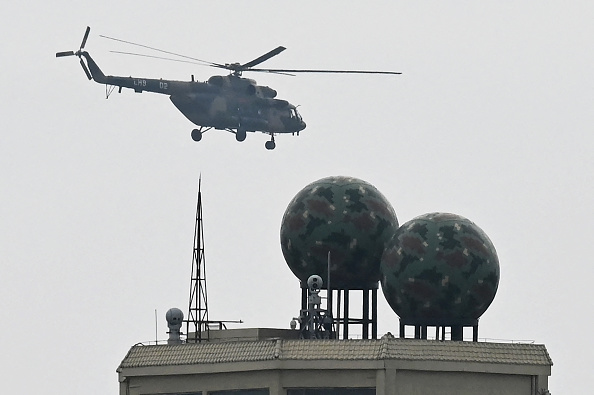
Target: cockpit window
x=295, y=114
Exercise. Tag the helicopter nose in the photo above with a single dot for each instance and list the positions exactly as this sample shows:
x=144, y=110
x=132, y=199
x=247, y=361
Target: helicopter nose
x=302, y=125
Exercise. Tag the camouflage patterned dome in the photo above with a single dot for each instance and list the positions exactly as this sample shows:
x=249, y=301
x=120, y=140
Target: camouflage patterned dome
x=346, y=216
x=439, y=268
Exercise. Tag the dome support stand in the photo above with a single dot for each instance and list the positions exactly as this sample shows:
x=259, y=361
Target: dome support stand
x=343, y=323
x=456, y=329
x=339, y=308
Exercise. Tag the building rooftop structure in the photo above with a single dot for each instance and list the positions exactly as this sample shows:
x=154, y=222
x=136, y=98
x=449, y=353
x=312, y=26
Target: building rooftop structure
x=340, y=236
x=282, y=365
x=386, y=348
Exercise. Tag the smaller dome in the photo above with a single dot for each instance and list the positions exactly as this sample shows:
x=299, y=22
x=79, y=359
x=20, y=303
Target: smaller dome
x=440, y=269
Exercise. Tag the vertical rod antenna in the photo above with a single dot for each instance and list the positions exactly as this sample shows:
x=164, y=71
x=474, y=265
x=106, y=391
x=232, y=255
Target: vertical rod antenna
x=328, y=286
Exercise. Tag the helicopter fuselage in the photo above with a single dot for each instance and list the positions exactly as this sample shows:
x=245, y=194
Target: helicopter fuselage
x=223, y=102
x=231, y=102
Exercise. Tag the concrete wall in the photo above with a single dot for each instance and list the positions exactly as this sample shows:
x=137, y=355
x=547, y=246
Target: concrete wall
x=387, y=382
x=460, y=383
x=204, y=382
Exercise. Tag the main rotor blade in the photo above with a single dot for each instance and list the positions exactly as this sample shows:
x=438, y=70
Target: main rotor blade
x=67, y=53
x=264, y=57
x=160, y=50
x=324, y=71
x=84, y=66
x=165, y=58
x=84, y=41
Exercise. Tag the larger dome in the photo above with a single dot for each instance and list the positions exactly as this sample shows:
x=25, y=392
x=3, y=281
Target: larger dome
x=345, y=216
x=439, y=269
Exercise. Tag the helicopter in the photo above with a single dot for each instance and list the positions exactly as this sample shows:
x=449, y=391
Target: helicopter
x=232, y=103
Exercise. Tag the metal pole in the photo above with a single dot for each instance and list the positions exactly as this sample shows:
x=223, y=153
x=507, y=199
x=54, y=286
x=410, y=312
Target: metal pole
x=365, y=321
x=346, y=314
x=338, y=314
x=329, y=306
x=374, y=313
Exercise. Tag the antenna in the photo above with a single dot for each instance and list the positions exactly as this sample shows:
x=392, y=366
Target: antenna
x=328, y=285
x=198, y=305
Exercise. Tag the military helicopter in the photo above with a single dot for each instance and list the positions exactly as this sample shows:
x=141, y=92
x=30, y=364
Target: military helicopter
x=232, y=102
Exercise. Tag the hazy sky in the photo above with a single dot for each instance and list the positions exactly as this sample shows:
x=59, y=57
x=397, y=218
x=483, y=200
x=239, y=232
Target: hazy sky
x=491, y=119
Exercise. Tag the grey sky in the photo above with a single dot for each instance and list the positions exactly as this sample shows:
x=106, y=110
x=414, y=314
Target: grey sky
x=492, y=120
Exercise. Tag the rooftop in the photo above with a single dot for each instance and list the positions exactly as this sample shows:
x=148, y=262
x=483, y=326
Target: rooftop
x=386, y=348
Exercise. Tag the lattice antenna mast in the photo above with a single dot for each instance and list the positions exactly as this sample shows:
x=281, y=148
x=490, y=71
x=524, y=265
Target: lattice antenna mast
x=198, y=305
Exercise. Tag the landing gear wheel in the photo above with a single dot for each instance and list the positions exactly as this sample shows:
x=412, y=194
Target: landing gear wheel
x=196, y=135
x=240, y=135
x=270, y=145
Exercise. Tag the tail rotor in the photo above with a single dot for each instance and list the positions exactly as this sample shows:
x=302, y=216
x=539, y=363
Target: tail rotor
x=84, y=40
x=84, y=66
x=79, y=53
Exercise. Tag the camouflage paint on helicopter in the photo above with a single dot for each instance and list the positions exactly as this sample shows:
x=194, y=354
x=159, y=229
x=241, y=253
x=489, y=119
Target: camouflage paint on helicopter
x=238, y=103
x=345, y=216
x=232, y=103
x=229, y=103
x=440, y=269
